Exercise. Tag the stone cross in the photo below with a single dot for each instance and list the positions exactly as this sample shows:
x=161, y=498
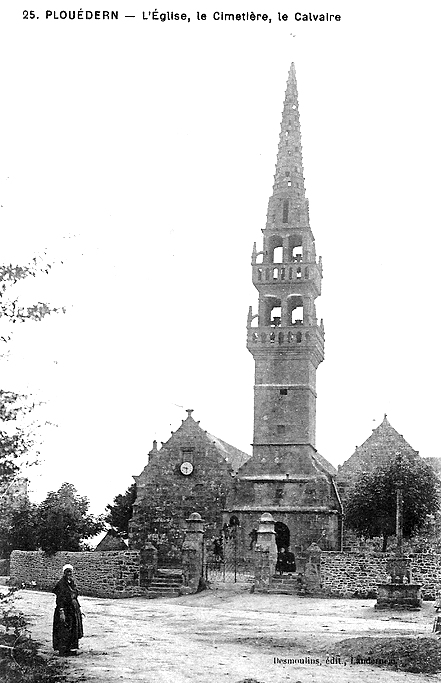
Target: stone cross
x=399, y=517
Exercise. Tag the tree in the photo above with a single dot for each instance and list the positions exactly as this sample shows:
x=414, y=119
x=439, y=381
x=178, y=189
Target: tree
x=17, y=526
x=371, y=506
x=11, y=311
x=120, y=513
x=64, y=521
x=15, y=444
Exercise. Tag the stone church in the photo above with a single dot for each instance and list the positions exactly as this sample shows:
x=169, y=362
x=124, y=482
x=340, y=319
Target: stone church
x=285, y=475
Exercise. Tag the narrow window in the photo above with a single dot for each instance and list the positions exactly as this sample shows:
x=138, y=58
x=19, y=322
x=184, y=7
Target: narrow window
x=187, y=453
x=285, y=211
x=284, y=392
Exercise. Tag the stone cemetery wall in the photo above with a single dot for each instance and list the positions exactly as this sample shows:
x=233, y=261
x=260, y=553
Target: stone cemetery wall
x=357, y=574
x=112, y=574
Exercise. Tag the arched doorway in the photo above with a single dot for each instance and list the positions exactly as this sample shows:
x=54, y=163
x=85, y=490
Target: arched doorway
x=282, y=535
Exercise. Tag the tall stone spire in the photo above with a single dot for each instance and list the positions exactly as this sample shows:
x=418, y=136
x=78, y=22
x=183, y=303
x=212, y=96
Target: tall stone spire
x=289, y=184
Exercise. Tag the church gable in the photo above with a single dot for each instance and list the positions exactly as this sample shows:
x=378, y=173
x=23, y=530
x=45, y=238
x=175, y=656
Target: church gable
x=378, y=450
x=190, y=448
x=191, y=472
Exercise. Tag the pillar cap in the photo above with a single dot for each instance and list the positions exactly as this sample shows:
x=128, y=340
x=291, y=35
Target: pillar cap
x=266, y=517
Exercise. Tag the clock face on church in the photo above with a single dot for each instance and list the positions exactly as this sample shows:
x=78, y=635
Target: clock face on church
x=186, y=468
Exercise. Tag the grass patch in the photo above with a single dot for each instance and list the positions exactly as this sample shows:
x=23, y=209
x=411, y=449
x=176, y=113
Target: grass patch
x=23, y=664
x=416, y=655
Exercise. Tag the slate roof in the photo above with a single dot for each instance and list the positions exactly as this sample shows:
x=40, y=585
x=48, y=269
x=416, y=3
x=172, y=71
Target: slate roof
x=231, y=454
x=330, y=469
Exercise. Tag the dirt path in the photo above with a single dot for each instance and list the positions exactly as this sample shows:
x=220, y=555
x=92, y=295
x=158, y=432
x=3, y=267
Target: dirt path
x=219, y=635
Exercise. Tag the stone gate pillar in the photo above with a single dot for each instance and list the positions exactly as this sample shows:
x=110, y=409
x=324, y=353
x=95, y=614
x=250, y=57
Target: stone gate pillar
x=192, y=554
x=312, y=567
x=148, y=564
x=265, y=554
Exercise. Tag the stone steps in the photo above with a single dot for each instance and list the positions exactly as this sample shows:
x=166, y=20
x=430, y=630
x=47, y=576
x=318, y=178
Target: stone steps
x=162, y=592
x=286, y=584
x=165, y=584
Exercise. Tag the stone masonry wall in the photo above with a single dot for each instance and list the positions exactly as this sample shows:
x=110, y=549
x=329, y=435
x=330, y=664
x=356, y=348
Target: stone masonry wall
x=166, y=497
x=113, y=574
x=357, y=574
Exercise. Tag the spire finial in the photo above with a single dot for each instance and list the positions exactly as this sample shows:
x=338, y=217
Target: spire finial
x=189, y=411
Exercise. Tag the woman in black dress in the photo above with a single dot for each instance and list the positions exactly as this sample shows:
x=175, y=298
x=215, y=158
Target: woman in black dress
x=68, y=625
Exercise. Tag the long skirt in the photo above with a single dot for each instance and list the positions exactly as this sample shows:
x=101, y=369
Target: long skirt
x=66, y=634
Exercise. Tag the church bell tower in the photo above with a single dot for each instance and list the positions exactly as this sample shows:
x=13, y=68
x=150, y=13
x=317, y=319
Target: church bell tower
x=284, y=337
x=286, y=476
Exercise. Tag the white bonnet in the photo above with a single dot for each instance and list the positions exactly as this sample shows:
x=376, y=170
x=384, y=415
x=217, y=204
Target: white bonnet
x=67, y=566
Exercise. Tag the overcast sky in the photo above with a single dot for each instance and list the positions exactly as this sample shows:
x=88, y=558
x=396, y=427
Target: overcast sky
x=142, y=155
